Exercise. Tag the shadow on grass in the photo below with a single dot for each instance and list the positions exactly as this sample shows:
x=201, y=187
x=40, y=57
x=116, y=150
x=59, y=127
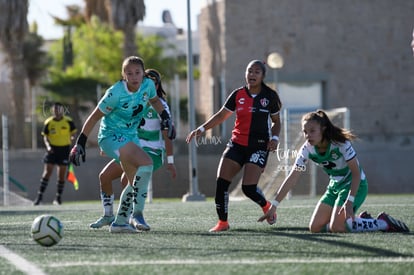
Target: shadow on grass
x=327, y=239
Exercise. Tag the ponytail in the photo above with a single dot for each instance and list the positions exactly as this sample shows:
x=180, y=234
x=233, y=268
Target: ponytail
x=331, y=133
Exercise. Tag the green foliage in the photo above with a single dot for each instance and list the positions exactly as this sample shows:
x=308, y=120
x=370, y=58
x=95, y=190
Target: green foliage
x=97, y=52
x=35, y=59
x=151, y=49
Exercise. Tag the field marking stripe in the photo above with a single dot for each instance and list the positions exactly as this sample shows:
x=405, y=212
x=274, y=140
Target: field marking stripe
x=20, y=262
x=246, y=261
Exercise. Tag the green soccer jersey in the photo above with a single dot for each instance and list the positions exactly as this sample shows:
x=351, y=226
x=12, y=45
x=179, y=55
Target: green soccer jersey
x=333, y=161
x=150, y=134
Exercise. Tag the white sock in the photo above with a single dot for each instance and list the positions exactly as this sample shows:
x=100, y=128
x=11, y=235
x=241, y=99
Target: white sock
x=125, y=204
x=366, y=225
x=108, y=204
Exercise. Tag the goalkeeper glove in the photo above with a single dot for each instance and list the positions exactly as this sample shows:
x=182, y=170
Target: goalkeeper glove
x=78, y=150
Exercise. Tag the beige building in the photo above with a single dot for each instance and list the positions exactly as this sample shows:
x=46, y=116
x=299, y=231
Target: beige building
x=355, y=54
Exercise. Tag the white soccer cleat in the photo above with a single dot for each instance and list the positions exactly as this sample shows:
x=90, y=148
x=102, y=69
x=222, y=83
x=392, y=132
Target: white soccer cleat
x=102, y=221
x=139, y=223
x=122, y=228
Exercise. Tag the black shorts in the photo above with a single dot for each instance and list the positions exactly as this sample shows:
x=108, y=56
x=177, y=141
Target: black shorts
x=59, y=156
x=244, y=154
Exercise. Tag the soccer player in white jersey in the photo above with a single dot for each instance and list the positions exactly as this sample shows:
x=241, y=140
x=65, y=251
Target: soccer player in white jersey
x=330, y=147
x=156, y=144
x=121, y=109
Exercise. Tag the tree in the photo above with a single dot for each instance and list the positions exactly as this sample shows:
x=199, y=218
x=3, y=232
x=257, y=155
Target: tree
x=99, y=8
x=76, y=19
x=13, y=28
x=36, y=62
x=97, y=55
x=125, y=14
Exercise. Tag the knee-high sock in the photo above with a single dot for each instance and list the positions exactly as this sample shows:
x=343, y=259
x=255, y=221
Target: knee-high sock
x=107, y=203
x=125, y=203
x=222, y=198
x=43, y=185
x=142, y=179
x=365, y=225
x=60, y=186
x=255, y=194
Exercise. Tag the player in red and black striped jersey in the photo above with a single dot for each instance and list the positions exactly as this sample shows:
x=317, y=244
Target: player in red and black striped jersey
x=255, y=133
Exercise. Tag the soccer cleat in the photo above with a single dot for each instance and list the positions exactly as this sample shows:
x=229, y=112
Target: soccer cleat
x=365, y=215
x=37, y=200
x=220, y=226
x=139, y=223
x=270, y=220
x=102, y=221
x=57, y=201
x=394, y=225
x=122, y=228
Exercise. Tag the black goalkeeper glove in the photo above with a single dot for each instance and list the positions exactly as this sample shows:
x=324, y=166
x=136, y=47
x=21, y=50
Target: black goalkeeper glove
x=166, y=124
x=78, y=150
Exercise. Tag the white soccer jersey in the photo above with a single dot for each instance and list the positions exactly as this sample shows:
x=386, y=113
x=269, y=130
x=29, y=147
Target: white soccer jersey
x=150, y=134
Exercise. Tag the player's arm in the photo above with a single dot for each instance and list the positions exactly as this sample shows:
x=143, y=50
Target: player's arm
x=166, y=123
x=170, y=154
x=275, y=131
x=47, y=143
x=79, y=149
x=91, y=121
x=73, y=129
x=355, y=181
x=213, y=121
x=157, y=104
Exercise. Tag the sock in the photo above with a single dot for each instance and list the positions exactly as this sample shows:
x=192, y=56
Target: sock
x=125, y=203
x=365, y=225
x=255, y=194
x=43, y=185
x=60, y=187
x=142, y=179
x=222, y=198
x=107, y=203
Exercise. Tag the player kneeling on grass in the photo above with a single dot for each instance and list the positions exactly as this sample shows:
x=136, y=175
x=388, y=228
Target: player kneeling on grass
x=330, y=147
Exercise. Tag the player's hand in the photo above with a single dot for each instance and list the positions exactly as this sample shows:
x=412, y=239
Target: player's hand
x=194, y=133
x=172, y=170
x=348, y=209
x=78, y=150
x=75, y=154
x=268, y=214
x=272, y=145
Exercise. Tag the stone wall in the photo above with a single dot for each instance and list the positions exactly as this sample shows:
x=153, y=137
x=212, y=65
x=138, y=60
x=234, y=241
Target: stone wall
x=359, y=50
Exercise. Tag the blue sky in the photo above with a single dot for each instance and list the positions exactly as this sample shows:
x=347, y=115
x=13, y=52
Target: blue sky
x=40, y=11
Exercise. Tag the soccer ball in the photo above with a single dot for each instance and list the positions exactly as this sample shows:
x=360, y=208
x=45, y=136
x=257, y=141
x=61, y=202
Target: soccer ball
x=47, y=230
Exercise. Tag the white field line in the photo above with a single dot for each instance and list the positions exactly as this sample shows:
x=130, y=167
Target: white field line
x=242, y=261
x=19, y=262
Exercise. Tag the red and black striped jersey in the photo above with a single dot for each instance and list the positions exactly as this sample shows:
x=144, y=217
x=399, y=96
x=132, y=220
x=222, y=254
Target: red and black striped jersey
x=253, y=124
